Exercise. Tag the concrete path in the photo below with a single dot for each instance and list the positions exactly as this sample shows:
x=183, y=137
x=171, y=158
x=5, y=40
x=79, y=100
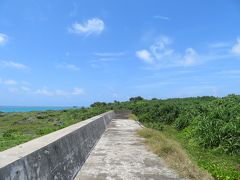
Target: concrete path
x=120, y=154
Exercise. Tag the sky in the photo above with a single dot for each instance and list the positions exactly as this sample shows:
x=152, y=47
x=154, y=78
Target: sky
x=75, y=52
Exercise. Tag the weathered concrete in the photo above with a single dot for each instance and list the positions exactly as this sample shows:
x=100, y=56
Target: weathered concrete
x=58, y=155
x=121, y=154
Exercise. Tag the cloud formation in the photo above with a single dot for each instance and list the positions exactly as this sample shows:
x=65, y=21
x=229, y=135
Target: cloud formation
x=109, y=56
x=7, y=81
x=25, y=88
x=162, y=17
x=11, y=64
x=161, y=54
x=71, y=67
x=190, y=57
x=78, y=91
x=91, y=26
x=145, y=55
x=236, y=48
x=3, y=39
x=10, y=82
x=46, y=92
x=105, y=54
x=220, y=45
x=20, y=87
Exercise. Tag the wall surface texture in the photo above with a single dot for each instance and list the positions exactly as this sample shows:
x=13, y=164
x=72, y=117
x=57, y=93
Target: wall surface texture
x=56, y=156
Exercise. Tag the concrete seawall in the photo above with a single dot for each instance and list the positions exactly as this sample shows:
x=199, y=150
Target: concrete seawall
x=58, y=155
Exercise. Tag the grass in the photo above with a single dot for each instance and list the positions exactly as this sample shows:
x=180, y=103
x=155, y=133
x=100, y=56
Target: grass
x=188, y=158
x=222, y=166
x=17, y=128
x=133, y=117
x=173, y=153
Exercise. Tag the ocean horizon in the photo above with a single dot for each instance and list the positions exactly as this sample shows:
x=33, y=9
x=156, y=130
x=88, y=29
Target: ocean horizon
x=32, y=108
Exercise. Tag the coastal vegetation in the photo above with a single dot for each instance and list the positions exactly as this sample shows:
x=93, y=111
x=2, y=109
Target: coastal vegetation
x=208, y=128
x=175, y=156
x=203, y=133
x=19, y=127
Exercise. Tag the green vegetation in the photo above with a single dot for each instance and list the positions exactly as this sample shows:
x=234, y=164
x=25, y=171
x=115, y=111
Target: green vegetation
x=133, y=117
x=207, y=128
x=16, y=128
x=173, y=153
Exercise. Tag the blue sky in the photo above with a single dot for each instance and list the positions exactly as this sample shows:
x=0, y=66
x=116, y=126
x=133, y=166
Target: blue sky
x=77, y=52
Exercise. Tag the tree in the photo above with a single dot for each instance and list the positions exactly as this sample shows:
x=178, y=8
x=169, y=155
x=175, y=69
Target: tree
x=98, y=104
x=137, y=98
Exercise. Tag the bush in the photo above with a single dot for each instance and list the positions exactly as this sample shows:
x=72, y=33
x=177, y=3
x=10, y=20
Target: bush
x=10, y=133
x=182, y=121
x=220, y=127
x=134, y=99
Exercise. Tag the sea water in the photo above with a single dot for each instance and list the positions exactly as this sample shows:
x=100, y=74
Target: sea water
x=30, y=108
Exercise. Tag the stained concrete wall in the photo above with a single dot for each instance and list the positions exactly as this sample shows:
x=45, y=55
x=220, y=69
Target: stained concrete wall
x=56, y=156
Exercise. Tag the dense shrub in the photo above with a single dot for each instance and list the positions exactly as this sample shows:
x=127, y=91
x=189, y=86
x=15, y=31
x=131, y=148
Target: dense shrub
x=209, y=128
x=214, y=122
x=182, y=121
x=220, y=127
x=154, y=125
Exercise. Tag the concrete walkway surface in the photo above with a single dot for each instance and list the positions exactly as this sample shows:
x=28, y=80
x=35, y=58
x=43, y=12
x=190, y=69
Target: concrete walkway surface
x=120, y=154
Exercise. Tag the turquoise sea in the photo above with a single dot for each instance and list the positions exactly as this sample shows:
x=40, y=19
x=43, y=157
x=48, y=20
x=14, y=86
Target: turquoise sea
x=30, y=108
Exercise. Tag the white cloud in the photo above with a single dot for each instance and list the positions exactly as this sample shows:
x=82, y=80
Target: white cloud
x=59, y=92
x=11, y=64
x=91, y=26
x=78, y=91
x=160, y=48
x=162, y=17
x=108, y=56
x=71, y=67
x=219, y=45
x=161, y=55
x=25, y=83
x=3, y=39
x=145, y=55
x=25, y=88
x=236, y=47
x=44, y=91
x=107, y=59
x=8, y=81
x=13, y=87
x=190, y=57
x=111, y=54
